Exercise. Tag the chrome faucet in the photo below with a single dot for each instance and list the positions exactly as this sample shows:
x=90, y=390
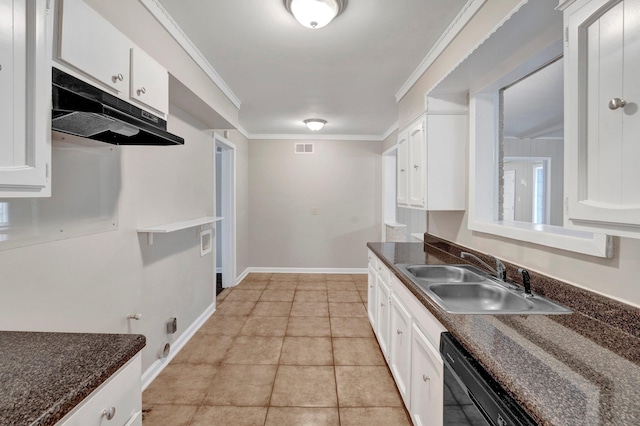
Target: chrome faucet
x=500, y=270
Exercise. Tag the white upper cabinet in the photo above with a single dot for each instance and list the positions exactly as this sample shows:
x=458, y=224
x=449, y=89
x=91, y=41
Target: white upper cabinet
x=149, y=81
x=417, y=160
x=90, y=44
x=431, y=159
x=25, y=104
x=402, y=174
x=602, y=54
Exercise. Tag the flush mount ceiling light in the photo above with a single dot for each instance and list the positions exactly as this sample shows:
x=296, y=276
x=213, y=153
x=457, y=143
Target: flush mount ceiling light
x=315, y=13
x=315, y=124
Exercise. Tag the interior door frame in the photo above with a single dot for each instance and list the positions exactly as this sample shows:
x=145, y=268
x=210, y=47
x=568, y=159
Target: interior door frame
x=227, y=226
x=389, y=188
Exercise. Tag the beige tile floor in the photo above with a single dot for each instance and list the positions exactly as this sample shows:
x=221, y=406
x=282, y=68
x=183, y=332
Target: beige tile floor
x=281, y=349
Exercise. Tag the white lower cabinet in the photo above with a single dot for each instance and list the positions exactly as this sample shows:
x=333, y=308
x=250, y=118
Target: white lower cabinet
x=118, y=401
x=400, y=347
x=371, y=289
x=382, y=315
x=408, y=335
x=427, y=378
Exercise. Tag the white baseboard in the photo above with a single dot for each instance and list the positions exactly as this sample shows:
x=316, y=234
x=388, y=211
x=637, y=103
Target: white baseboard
x=259, y=269
x=243, y=275
x=159, y=365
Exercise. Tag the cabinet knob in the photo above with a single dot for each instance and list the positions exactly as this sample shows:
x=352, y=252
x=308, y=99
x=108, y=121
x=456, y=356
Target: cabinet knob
x=109, y=413
x=382, y=305
x=402, y=170
x=415, y=166
x=142, y=91
x=425, y=377
x=398, y=331
x=118, y=77
x=616, y=103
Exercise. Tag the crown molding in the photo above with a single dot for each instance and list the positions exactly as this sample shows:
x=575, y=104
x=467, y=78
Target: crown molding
x=171, y=26
x=390, y=130
x=460, y=21
x=244, y=132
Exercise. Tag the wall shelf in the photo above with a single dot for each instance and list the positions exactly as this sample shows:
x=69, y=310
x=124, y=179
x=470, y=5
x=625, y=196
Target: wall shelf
x=177, y=226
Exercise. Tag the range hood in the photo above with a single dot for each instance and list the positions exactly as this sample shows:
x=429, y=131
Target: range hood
x=83, y=110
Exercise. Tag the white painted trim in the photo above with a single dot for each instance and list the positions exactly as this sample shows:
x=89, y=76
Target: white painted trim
x=171, y=26
x=281, y=136
x=159, y=365
x=243, y=275
x=395, y=126
x=228, y=231
x=389, y=171
x=260, y=269
x=459, y=22
x=480, y=43
x=482, y=216
x=244, y=132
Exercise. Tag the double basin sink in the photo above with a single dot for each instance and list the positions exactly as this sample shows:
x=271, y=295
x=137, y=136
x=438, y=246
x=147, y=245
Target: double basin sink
x=465, y=289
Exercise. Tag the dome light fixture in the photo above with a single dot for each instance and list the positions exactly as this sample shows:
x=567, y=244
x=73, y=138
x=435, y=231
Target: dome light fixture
x=315, y=124
x=315, y=13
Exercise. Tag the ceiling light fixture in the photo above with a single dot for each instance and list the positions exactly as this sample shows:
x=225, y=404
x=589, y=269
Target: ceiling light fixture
x=315, y=124
x=315, y=13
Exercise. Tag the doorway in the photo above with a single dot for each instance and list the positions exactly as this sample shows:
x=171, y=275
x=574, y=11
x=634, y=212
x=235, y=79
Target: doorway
x=225, y=203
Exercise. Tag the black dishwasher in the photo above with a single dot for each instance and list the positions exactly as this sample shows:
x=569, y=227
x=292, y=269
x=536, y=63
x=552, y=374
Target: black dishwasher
x=472, y=396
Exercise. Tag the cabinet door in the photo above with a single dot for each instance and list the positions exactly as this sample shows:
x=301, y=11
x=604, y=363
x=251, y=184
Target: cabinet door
x=417, y=163
x=446, y=173
x=400, y=347
x=121, y=394
x=149, y=81
x=371, y=296
x=382, y=315
x=91, y=44
x=427, y=385
x=403, y=170
x=25, y=104
x=601, y=146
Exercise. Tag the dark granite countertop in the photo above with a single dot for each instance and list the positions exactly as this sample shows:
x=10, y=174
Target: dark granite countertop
x=43, y=376
x=577, y=369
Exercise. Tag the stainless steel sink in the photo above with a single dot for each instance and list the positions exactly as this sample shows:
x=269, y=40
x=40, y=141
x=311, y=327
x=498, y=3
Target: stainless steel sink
x=446, y=273
x=464, y=289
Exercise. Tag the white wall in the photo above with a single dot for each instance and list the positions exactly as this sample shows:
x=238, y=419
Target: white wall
x=616, y=277
x=342, y=179
x=91, y=283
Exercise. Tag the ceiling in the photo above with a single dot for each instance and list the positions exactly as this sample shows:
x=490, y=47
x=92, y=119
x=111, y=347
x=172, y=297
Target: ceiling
x=347, y=73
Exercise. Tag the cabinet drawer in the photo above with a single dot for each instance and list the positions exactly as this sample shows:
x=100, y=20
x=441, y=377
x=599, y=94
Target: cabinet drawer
x=122, y=392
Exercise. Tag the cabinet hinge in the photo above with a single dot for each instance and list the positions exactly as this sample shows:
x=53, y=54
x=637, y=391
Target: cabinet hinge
x=566, y=204
x=46, y=170
x=566, y=35
x=48, y=5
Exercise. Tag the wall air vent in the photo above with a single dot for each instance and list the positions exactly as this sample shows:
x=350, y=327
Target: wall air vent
x=304, y=148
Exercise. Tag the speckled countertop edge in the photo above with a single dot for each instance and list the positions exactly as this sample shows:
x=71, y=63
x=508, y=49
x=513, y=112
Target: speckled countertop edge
x=43, y=376
x=612, y=335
